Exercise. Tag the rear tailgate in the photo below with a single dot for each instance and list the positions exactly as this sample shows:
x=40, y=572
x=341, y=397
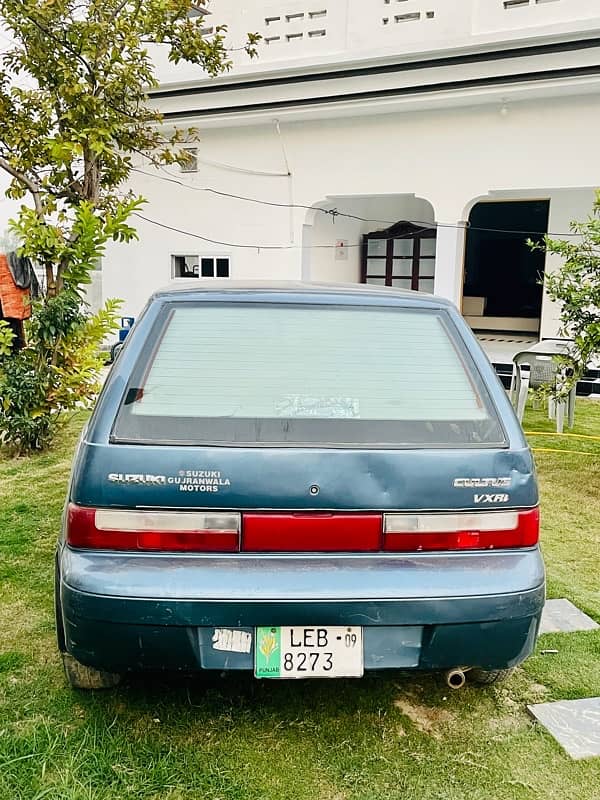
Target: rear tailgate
x=291, y=479
x=263, y=407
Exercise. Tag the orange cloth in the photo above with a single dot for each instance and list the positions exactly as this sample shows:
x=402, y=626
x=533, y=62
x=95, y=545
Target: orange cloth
x=15, y=302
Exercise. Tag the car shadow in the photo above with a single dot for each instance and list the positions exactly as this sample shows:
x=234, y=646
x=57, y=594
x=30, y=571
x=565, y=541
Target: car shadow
x=173, y=696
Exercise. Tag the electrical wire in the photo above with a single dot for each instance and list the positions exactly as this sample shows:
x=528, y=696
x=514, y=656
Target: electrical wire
x=242, y=170
x=283, y=150
x=334, y=212
x=331, y=211
x=234, y=168
x=250, y=246
x=203, y=238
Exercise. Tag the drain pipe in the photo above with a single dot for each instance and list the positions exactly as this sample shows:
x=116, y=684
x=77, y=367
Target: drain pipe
x=455, y=678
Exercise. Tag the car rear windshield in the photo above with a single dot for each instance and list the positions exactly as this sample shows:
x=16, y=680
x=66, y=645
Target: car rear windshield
x=281, y=374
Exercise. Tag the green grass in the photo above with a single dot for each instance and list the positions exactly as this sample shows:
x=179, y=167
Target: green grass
x=403, y=737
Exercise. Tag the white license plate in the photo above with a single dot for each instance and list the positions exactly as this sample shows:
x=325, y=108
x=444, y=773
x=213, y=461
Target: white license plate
x=303, y=652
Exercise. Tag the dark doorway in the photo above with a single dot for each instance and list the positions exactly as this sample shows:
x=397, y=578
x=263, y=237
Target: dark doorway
x=502, y=272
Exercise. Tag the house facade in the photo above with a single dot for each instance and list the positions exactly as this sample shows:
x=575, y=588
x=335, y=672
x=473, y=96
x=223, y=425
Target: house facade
x=416, y=143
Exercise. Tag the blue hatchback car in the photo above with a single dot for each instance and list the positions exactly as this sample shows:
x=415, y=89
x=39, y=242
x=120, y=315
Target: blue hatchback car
x=300, y=481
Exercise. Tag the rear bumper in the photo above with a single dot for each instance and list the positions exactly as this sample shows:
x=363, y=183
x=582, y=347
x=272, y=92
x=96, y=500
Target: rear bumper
x=424, y=611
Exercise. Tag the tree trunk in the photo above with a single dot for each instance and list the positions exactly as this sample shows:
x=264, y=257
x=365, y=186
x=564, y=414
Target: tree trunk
x=51, y=289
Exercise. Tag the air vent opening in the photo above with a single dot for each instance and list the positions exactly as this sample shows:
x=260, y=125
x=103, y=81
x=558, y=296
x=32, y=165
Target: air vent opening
x=412, y=17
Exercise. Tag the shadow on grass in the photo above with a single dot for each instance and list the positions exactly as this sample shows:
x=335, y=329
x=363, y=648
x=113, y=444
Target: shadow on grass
x=238, y=702
x=212, y=693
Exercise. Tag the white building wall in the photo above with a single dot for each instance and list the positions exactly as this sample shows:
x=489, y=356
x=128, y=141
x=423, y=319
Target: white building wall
x=448, y=157
x=520, y=16
x=339, y=31
x=408, y=23
x=447, y=148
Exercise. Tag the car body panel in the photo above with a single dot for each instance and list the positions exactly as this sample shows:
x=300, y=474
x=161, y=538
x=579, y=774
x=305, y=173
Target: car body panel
x=146, y=476
x=236, y=578
x=492, y=645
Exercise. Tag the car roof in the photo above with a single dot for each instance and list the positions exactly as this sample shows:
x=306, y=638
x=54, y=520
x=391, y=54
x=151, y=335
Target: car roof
x=195, y=288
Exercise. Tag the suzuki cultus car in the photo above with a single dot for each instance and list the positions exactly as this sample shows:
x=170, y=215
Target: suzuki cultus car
x=300, y=481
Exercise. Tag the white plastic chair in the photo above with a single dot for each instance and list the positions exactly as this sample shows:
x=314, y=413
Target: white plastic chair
x=532, y=370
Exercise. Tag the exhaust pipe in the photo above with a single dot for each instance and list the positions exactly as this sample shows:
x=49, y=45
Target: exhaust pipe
x=455, y=678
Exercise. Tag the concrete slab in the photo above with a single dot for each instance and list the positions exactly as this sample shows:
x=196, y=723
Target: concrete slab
x=502, y=349
x=575, y=724
x=561, y=616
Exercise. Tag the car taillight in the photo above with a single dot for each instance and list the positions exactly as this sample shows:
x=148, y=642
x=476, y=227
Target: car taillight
x=312, y=532
x=461, y=531
x=214, y=532
x=179, y=531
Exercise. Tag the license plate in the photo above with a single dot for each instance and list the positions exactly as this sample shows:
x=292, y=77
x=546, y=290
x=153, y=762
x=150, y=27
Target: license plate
x=299, y=652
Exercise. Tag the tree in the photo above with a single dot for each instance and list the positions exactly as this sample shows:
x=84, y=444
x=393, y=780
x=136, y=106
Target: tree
x=576, y=286
x=74, y=112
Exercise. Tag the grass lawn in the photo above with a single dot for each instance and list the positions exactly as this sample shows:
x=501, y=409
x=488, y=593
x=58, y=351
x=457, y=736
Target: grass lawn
x=403, y=736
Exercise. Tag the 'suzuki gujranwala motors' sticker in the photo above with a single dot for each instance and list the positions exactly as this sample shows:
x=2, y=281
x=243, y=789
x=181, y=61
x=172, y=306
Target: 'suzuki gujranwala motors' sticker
x=188, y=480
x=199, y=480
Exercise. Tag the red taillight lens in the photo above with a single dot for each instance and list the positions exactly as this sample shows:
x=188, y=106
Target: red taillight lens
x=175, y=531
x=461, y=531
x=312, y=533
x=214, y=532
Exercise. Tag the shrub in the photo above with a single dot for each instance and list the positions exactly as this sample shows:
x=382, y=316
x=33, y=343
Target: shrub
x=57, y=372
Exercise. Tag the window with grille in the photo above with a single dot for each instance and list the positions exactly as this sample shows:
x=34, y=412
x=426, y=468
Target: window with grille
x=402, y=256
x=191, y=160
x=194, y=266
